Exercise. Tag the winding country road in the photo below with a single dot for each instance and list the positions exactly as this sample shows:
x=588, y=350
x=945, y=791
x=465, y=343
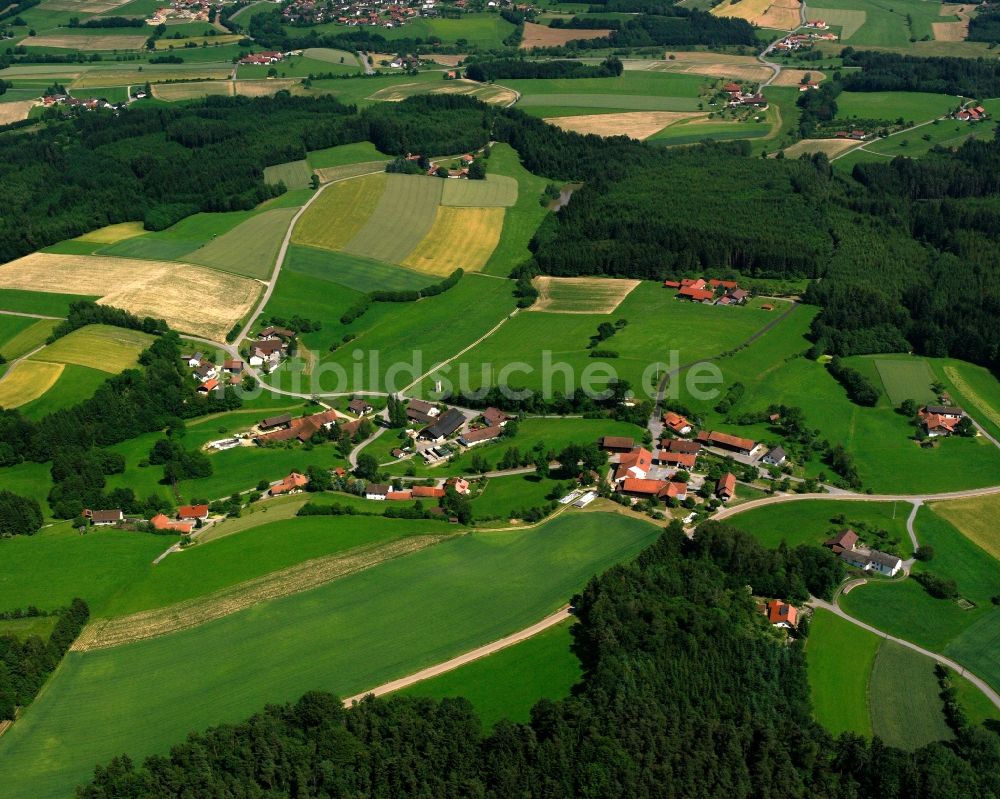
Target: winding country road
x=475, y=654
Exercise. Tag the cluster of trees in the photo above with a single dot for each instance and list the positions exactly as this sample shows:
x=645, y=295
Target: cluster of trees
x=19, y=515
x=985, y=26
x=107, y=22
x=522, y=401
x=891, y=72
x=487, y=71
x=24, y=665
x=78, y=478
x=179, y=463
x=18, y=9
x=859, y=388
x=86, y=312
x=698, y=677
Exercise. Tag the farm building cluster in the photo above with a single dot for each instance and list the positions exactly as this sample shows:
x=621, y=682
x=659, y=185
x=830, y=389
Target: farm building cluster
x=970, y=113
x=80, y=104
x=941, y=420
x=208, y=374
x=186, y=519
x=847, y=546
x=266, y=58
x=740, y=96
x=270, y=346
x=187, y=10
x=709, y=292
x=798, y=41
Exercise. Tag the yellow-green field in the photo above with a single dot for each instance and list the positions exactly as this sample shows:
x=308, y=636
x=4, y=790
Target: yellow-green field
x=336, y=216
x=28, y=339
x=576, y=295
x=103, y=347
x=460, y=237
x=975, y=518
x=495, y=191
x=114, y=233
x=27, y=381
x=250, y=248
x=487, y=93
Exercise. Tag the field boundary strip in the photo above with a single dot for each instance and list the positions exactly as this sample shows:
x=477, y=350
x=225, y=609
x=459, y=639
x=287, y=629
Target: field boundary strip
x=970, y=394
x=107, y=633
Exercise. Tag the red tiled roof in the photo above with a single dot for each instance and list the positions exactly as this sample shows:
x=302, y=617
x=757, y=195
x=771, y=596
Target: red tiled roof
x=676, y=458
x=726, y=484
x=696, y=294
x=680, y=445
x=290, y=483
x=636, y=485
x=399, y=495
x=482, y=434
x=161, y=522
x=192, y=511
x=726, y=440
x=778, y=612
x=426, y=491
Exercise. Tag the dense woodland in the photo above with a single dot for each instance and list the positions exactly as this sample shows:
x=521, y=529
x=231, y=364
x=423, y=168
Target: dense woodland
x=492, y=69
x=891, y=72
x=687, y=692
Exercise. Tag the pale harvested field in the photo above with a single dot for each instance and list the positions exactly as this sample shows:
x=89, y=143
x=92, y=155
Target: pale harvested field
x=104, y=633
x=90, y=41
x=953, y=31
x=975, y=518
x=793, y=77
x=82, y=6
x=829, y=146
x=173, y=92
x=543, y=36
x=581, y=295
x=15, y=111
x=779, y=14
x=98, y=78
x=636, y=124
x=459, y=237
x=114, y=233
x=488, y=93
x=849, y=20
x=447, y=60
x=27, y=381
x=192, y=299
x=264, y=88
x=331, y=173
x=714, y=65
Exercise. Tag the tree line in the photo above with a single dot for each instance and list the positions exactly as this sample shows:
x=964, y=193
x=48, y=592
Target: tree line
x=486, y=71
x=698, y=677
x=891, y=72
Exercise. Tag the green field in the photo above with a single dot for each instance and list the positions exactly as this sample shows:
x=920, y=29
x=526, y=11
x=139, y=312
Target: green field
x=654, y=318
x=40, y=302
x=250, y=248
x=840, y=657
x=881, y=23
x=109, y=349
x=174, y=243
x=906, y=710
x=12, y=331
x=978, y=648
x=407, y=208
x=294, y=174
x=848, y=20
x=483, y=30
x=23, y=628
x=352, y=271
x=692, y=132
x=906, y=610
x=337, y=215
x=350, y=634
x=332, y=56
x=506, y=685
x=911, y=107
x=75, y=384
x=496, y=190
x=344, y=154
x=810, y=521
x=505, y=495
x=909, y=379
x=978, y=708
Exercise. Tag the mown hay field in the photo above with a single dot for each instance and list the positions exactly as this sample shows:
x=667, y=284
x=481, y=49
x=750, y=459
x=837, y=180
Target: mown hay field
x=975, y=518
x=493, y=94
x=332, y=56
x=28, y=338
x=90, y=41
x=26, y=381
x=586, y=295
x=346, y=636
x=617, y=102
x=635, y=124
x=191, y=299
x=847, y=19
x=173, y=92
x=495, y=191
x=103, y=347
x=351, y=271
x=793, y=77
x=294, y=174
x=953, y=31
x=15, y=111
x=402, y=217
x=250, y=248
x=340, y=212
x=536, y=35
x=329, y=174
x=75, y=384
x=906, y=710
x=779, y=14
x=459, y=237
x=906, y=379
x=828, y=146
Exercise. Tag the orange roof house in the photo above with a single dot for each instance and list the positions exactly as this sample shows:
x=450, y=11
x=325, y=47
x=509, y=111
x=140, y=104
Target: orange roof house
x=676, y=423
x=725, y=488
x=726, y=441
x=192, y=512
x=294, y=482
x=696, y=294
x=399, y=495
x=634, y=464
x=430, y=492
x=781, y=614
x=682, y=460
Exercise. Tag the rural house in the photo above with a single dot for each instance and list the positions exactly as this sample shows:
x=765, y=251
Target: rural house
x=871, y=560
x=376, y=491
x=842, y=542
x=775, y=456
x=679, y=460
x=399, y=496
x=208, y=385
x=743, y=446
x=940, y=420
x=472, y=437
x=460, y=484
x=781, y=614
x=427, y=492
x=162, y=522
x=677, y=423
x=725, y=488
x=273, y=332
x=233, y=365
x=636, y=463
x=616, y=443
x=680, y=445
x=359, y=407
x=193, y=512
x=495, y=417
x=444, y=426
x=422, y=412
x=273, y=422
x=294, y=482
x=104, y=518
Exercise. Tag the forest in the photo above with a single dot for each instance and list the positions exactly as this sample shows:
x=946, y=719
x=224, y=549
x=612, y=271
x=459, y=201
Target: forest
x=696, y=696
x=489, y=70
x=891, y=72
x=985, y=26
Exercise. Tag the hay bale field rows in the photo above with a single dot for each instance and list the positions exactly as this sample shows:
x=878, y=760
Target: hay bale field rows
x=459, y=237
x=103, y=347
x=495, y=191
x=402, y=217
x=192, y=299
x=581, y=295
x=536, y=35
x=636, y=124
x=27, y=381
x=830, y=147
x=250, y=248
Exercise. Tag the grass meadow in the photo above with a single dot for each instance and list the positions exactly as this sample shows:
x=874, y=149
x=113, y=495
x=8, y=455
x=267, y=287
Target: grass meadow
x=39, y=302
x=975, y=518
x=906, y=710
x=840, y=657
x=495, y=191
x=904, y=609
x=402, y=217
x=13, y=328
x=250, y=248
x=294, y=174
x=345, y=154
x=906, y=379
x=631, y=91
x=883, y=24
x=74, y=384
x=909, y=106
x=353, y=633
x=21, y=629
x=505, y=495
x=810, y=521
x=351, y=271
x=109, y=349
x=340, y=212
x=506, y=685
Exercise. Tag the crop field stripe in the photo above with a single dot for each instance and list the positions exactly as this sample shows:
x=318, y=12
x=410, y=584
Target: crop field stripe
x=992, y=413
x=345, y=636
x=340, y=212
x=581, y=295
x=249, y=249
x=403, y=216
x=294, y=174
x=623, y=102
x=906, y=379
x=351, y=271
x=459, y=237
x=849, y=20
x=27, y=381
x=75, y=384
x=114, y=233
x=495, y=191
x=28, y=339
x=975, y=518
x=103, y=347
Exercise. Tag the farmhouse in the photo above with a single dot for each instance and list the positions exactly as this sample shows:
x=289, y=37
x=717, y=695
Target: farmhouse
x=679, y=460
x=422, y=412
x=193, y=512
x=495, y=417
x=273, y=332
x=376, y=491
x=460, y=484
x=677, y=423
x=233, y=365
x=775, y=456
x=473, y=437
x=302, y=428
x=273, y=422
x=162, y=522
x=205, y=371
x=744, y=446
x=208, y=385
x=642, y=488
x=781, y=614
x=842, y=542
x=970, y=113
x=616, y=443
x=262, y=59
x=940, y=420
x=636, y=463
x=696, y=294
x=104, y=518
x=448, y=423
x=294, y=482
x=399, y=496
x=359, y=407
x=725, y=488
x=679, y=445
x=871, y=560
